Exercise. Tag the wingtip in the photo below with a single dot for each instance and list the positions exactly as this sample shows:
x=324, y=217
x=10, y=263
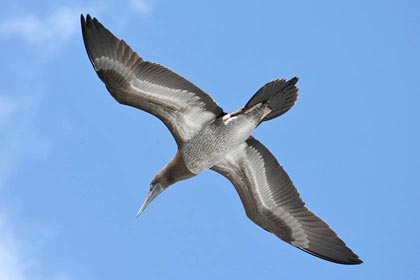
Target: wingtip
x=350, y=259
x=356, y=261
x=85, y=20
x=294, y=80
x=82, y=21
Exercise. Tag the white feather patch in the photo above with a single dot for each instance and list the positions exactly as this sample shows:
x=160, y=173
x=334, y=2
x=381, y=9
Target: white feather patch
x=257, y=175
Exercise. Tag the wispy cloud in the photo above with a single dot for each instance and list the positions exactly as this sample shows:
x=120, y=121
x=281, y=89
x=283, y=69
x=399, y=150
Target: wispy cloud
x=58, y=26
x=48, y=31
x=16, y=263
x=19, y=137
x=144, y=7
x=12, y=266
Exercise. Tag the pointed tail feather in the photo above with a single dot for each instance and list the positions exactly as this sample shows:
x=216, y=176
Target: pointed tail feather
x=280, y=95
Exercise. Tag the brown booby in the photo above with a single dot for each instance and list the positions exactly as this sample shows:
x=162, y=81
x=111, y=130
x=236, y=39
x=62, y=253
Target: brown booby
x=209, y=138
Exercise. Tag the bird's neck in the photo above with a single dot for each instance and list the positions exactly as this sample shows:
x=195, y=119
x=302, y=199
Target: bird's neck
x=174, y=171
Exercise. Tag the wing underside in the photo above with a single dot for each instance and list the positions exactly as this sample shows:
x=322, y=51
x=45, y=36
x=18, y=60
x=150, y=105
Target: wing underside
x=179, y=104
x=271, y=200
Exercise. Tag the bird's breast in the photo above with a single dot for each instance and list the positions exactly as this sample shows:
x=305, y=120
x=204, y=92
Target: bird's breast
x=211, y=144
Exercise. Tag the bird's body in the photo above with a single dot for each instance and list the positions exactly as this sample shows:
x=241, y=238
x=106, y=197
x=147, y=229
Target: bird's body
x=208, y=138
x=214, y=141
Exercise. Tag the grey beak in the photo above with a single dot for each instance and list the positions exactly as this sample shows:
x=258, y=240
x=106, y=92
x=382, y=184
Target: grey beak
x=154, y=191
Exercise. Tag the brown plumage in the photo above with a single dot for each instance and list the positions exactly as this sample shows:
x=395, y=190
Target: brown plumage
x=174, y=171
x=207, y=138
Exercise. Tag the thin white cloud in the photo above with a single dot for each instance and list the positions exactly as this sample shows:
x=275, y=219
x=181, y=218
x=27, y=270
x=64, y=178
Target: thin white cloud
x=50, y=31
x=58, y=26
x=16, y=263
x=18, y=135
x=19, y=139
x=46, y=32
x=12, y=266
x=144, y=7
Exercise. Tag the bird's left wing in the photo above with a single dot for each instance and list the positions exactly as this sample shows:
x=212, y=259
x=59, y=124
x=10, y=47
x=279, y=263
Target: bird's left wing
x=179, y=104
x=272, y=202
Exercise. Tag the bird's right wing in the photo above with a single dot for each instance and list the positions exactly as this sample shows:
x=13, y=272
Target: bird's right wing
x=179, y=104
x=272, y=202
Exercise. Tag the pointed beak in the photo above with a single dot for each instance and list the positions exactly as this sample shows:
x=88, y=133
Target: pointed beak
x=154, y=191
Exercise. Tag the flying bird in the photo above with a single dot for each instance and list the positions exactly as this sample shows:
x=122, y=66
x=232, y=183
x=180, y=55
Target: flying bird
x=209, y=138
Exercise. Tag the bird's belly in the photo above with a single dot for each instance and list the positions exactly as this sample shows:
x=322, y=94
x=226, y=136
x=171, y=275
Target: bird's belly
x=211, y=145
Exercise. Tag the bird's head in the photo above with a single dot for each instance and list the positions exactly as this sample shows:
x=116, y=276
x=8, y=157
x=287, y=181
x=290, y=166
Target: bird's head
x=156, y=187
x=173, y=172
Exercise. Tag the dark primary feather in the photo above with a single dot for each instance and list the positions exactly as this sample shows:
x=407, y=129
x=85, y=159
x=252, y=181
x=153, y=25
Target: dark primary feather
x=272, y=201
x=146, y=85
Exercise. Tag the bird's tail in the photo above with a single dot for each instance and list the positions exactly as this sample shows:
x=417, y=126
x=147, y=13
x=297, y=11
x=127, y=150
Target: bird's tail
x=280, y=95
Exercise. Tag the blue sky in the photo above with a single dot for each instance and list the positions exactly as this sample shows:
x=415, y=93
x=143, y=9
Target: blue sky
x=75, y=165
